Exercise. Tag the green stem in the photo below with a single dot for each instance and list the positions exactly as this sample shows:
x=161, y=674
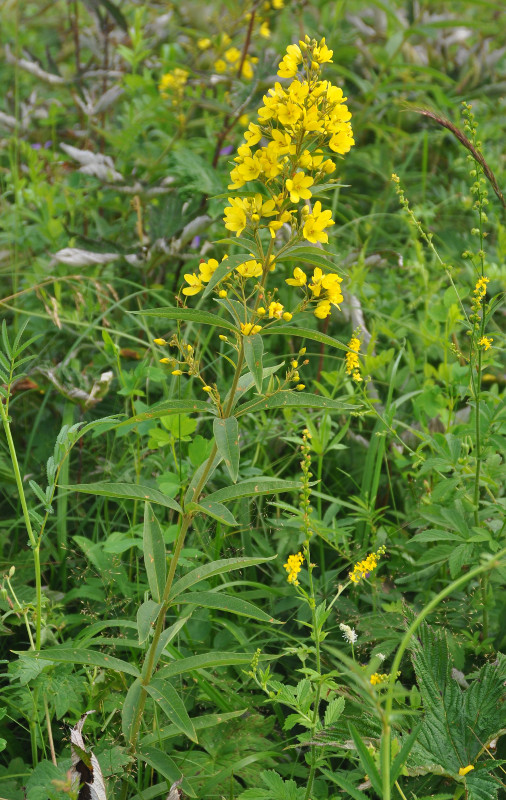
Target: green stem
x=316, y=706
x=387, y=714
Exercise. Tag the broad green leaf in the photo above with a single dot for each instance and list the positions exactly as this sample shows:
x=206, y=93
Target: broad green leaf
x=213, y=509
x=226, y=434
x=67, y=655
x=171, y=704
x=146, y=615
x=154, y=553
x=130, y=705
x=164, y=764
x=225, y=267
x=252, y=488
x=253, y=352
x=182, y=666
x=367, y=761
x=169, y=633
x=199, y=723
x=171, y=407
x=226, y=602
x=305, y=333
x=287, y=399
x=189, y=315
x=214, y=568
x=126, y=491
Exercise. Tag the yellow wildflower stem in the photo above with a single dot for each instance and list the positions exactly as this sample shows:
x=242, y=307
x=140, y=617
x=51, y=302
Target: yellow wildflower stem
x=499, y=560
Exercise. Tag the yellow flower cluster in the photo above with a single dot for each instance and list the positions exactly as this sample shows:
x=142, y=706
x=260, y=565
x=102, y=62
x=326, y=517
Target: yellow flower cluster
x=480, y=290
x=325, y=288
x=283, y=149
x=352, y=362
x=378, y=678
x=230, y=62
x=173, y=83
x=293, y=566
x=362, y=569
x=485, y=342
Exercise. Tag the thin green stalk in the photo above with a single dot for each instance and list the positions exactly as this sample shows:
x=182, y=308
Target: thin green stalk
x=316, y=705
x=387, y=714
x=62, y=504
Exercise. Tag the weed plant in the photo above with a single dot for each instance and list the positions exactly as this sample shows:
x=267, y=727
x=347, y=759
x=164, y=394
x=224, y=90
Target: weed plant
x=252, y=396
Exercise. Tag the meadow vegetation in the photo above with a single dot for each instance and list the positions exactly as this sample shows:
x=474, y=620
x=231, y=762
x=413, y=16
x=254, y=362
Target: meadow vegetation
x=252, y=400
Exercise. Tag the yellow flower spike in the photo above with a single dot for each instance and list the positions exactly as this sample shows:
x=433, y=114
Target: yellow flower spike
x=160, y=341
x=378, y=678
x=351, y=357
x=465, y=770
x=287, y=316
x=293, y=566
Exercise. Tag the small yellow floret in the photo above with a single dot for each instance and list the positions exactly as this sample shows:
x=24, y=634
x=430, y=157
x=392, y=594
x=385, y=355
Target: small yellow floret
x=177, y=371
x=159, y=341
x=465, y=770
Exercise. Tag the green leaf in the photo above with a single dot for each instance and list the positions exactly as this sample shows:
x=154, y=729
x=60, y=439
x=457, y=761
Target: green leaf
x=126, y=491
x=367, y=761
x=253, y=352
x=212, y=509
x=168, y=635
x=146, y=615
x=310, y=255
x=154, y=553
x=130, y=705
x=334, y=710
x=171, y=704
x=402, y=755
x=343, y=783
x=214, y=568
x=305, y=333
x=225, y=267
x=189, y=315
x=171, y=407
x=226, y=434
x=182, y=666
x=93, y=658
x=163, y=764
x=253, y=487
x=226, y=602
x=199, y=723
x=287, y=399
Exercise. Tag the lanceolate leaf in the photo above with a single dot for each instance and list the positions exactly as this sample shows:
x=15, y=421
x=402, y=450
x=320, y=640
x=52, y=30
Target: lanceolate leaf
x=171, y=704
x=252, y=488
x=305, y=333
x=164, y=765
x=93, y=658
x=146, y=615
x=199, y=723
x=171, y=407
x=126, y=491
x=154, y=553
x=287, y=399
x=189, y=315
x=214, y=568
x=215, y=510
x=367, y=761
x=311, y=255
x=226, y=434
x=209, y=660
x=226, y=602
x=253, y=352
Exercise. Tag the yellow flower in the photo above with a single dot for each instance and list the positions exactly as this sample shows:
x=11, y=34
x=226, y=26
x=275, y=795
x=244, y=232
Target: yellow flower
x=485, y=342
x=342, y=141
x=264, y=30
x=322, y=54
x=207, y=269
x=248, y=329
x=203, y=44
x=378, y=678
x=315, y=224
x=275, y=310
x=177, y=371
x=293, y=566
x=299, y=278
x=250, y=269
x=352, y=362
x=322, y=310
x=195, y=286
x=220, y=66
x=232, y=55
x=235, y=215
x=207, y=389
x=222, y=293
x=159, y=341
x=300, y=387
x=480, y=290
x=298, y=187
x=166, y=360
x=287, y=316
x=362, y=569
x=465, y=770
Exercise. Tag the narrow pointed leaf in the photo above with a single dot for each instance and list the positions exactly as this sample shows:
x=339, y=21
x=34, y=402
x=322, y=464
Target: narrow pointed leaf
x=212, y=509
x=343, y=783
x=171, y=704
x=171, y=407
x=253, y=487
x=126, y=491
x=199, y=723
x=403, y=753
x=73, y=655
x=253, y=352
x=367, y=761
x=146, y=615
x=287, y=399
x=311, y=255
x=189, y=315
x=226, y=602
x=226, y=434
x=130, y=704
x=153, y=547
x=164, y=764
x=209, y=660
x=214, y=568
x=305, y=333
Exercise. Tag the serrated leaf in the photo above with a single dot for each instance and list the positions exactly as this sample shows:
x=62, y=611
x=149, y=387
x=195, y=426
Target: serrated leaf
x=287, y=399
x=146, y=616
x=226, y=602
x=214, y=568
x=226, y=434
x=153, y=546
x=164, y=694
x=189, y=315
x=253, y=353
x=334, y=710
x=126, y=491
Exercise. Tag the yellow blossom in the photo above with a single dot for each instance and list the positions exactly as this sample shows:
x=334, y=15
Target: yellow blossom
x=248, y=329
x=220, y=66
x=250, y=269
x=287, y=316
x=275, y=310
x=203, y=44
x=195, y=284
x=207, y=269
x=177, y=371
x=298, y=187
x=207, y=389
x=480, y=289
x=159, y=341
x=352, y=362
x=362, y=569
x=299, y=278
x=485, y=342
x=465, y=770
x=300, y=387
x=235, y=215
x=315, y=224
x=293, y=566
x=378, y=678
